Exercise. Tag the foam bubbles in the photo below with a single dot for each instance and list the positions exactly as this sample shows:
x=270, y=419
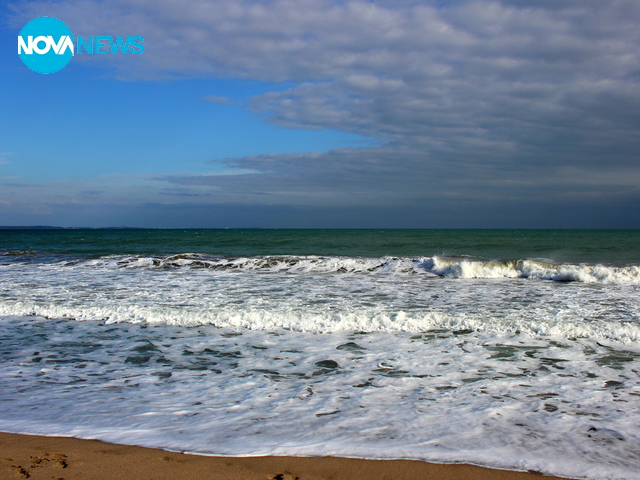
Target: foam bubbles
x=515, y=364
x=462, y=268
x=555, y=405
x=532, y=270
x=321, y=294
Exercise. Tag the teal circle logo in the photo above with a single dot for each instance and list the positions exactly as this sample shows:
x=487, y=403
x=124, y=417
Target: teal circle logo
x=45, y=45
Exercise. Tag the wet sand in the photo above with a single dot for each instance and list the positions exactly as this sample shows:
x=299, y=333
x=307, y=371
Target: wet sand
x=61, y=458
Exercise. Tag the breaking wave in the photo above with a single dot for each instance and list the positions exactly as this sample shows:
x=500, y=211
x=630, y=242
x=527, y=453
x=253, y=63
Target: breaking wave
x=463, y=268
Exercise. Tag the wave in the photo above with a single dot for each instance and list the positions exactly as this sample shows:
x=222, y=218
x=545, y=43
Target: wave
x=330, y=321
x=461, y=268
x=19, y=253
x=320, y=323
x=440, y=266
x=532, y=269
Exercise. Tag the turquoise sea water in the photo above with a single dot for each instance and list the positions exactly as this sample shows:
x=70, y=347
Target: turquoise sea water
x=607, y=246
x=517, y=349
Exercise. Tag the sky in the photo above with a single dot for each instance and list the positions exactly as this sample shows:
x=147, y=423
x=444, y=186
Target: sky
x=327, y=114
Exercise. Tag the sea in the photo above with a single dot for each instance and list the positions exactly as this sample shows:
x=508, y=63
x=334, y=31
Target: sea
x=513, y=349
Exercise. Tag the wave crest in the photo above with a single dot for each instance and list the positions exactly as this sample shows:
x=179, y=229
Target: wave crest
x=532, y=269
x=432, y=266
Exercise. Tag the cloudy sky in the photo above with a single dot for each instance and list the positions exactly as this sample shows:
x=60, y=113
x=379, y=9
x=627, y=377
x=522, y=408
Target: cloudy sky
x=328, y=113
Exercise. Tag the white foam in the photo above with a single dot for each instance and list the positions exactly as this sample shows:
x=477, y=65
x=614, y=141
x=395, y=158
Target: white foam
x=533, y=270
x=437, y=359
x=559, y=406
x=319, y=295
x=440, y=266
x=331, y=321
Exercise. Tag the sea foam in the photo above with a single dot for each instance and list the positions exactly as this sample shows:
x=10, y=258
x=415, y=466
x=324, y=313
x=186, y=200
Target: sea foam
x=328, y=294
x=436, y=265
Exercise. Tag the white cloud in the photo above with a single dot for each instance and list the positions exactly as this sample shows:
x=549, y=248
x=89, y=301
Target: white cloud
x=464, y=97
x=219, y=100
x=3, y=158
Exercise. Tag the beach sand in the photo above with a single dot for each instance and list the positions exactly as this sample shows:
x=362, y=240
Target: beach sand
x=61, y=458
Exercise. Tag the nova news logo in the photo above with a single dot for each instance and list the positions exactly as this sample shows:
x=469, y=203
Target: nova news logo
x=46, y=45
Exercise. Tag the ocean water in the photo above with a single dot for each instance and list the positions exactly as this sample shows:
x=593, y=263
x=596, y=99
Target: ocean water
x=510, y=349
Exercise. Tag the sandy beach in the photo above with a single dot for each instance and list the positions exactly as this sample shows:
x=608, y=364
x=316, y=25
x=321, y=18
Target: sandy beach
x=61, y=458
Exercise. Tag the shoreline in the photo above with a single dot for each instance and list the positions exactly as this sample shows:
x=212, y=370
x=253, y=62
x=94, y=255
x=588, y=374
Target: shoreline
x=65, y=458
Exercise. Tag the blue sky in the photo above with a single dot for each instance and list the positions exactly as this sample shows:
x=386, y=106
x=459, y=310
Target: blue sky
x=328, y=114
x=89, y=123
